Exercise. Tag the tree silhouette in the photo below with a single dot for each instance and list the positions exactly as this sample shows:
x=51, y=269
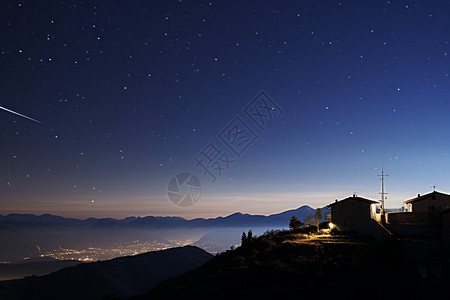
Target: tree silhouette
x=314, y=219
x=295, y=223
x=317, y=217
x=245, y=238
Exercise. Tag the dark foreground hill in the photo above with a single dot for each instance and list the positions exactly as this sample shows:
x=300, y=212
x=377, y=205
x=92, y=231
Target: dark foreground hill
x=317, y=267
x=16, y=271
x=124, y=276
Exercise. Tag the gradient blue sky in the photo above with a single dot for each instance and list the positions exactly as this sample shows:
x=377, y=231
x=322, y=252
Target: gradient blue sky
x=129, y=92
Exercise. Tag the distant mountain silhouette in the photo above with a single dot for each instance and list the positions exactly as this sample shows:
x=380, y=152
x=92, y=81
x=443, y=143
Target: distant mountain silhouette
x=31, y=235
x=234, y=220
x=124, y=276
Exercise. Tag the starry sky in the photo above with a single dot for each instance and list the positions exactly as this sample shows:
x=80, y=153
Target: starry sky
x=269, y=104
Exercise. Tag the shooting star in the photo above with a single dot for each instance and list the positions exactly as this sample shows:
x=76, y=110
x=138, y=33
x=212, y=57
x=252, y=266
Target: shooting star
x=16, y=113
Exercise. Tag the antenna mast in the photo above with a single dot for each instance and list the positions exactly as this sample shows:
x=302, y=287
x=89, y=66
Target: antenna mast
x=383, y=197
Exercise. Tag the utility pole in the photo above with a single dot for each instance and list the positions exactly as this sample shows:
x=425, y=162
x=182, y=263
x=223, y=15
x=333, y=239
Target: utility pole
x=383, y=197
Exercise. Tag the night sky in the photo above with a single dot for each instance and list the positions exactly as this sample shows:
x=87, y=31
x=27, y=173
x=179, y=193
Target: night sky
x=284, y=103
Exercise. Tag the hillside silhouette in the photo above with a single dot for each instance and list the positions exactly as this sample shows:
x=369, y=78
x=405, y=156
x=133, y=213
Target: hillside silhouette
x=44, y=267
x=124, y=276
x=314, y=265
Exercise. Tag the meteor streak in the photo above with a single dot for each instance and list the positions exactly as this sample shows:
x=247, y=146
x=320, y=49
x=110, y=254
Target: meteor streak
x=16, y=113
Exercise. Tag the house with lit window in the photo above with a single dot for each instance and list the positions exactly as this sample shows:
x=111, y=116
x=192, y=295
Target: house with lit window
x=358, y=215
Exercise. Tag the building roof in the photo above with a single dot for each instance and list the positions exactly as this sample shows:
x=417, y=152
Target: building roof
x=426, y=196
x=368, y=201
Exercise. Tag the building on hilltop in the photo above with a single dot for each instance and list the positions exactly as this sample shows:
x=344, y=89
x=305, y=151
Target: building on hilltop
x=359, y=215
x=431, y=202
x=427, y=217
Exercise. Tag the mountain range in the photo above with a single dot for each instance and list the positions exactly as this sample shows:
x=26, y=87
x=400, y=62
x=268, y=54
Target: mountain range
x=18, y=221
x=29, y=235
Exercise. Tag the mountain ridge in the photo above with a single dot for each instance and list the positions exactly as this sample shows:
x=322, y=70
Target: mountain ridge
x=30, y=235
x=16, y=219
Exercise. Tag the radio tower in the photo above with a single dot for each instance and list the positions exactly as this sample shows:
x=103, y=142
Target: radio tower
x=383, y=197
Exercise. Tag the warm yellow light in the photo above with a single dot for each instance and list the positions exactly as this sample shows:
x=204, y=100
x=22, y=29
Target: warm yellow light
x=331, y=225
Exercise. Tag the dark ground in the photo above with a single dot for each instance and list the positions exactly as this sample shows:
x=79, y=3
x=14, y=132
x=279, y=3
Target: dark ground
x=320, y=266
